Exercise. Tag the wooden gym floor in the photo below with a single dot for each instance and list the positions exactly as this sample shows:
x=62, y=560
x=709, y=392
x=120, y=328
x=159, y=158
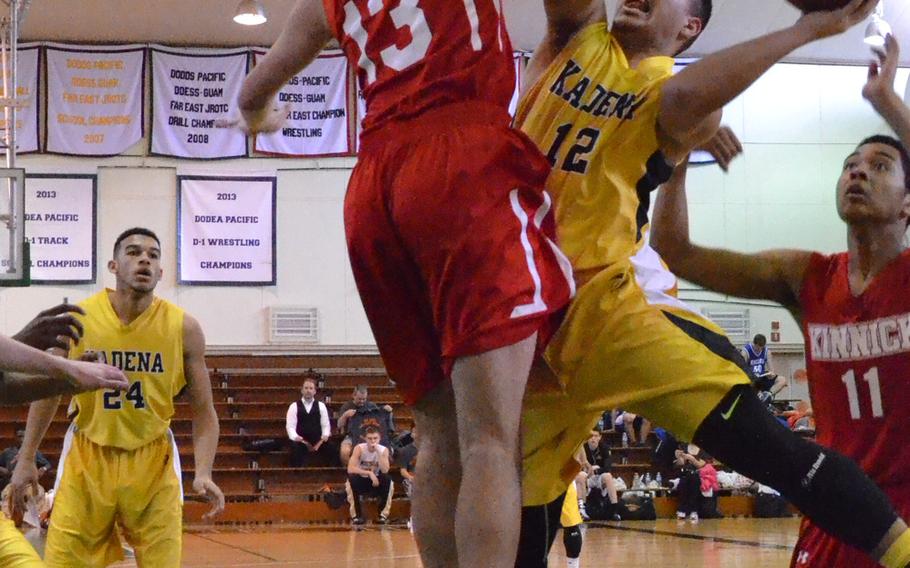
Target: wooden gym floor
x=738, y=542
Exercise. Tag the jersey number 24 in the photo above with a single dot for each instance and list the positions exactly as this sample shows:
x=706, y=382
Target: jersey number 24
x=133, y=394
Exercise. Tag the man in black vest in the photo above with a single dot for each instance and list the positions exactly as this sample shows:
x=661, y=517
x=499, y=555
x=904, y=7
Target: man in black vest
x=307, y=425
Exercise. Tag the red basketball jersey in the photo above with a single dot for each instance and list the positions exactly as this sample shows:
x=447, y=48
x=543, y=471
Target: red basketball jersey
x=858, y=353
x=414, y=55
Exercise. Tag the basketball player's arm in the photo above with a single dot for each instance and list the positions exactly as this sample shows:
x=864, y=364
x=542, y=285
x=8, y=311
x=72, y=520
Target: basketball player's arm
x=695, y=93
x=304, y=35
x=17, y=388
x=774, y=275
x=205, y=420
x=25, y=474
x=879, y=90
x=564, y=19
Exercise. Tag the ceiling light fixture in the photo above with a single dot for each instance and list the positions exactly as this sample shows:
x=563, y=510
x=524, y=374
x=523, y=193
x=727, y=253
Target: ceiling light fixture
x=878, y=29
x=250, y=13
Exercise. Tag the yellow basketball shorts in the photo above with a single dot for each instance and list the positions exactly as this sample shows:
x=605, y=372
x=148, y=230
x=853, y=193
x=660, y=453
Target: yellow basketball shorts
x=571, y=514
x=99, y=487
x=15, y=551
x=617, y=350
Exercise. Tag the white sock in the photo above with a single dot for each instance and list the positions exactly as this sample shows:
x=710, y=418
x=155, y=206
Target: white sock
x=573, y=562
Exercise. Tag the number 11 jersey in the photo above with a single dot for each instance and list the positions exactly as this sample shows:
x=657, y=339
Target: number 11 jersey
x=149, y=350
x=858, y=356
x=412, y=56
x=858, y=364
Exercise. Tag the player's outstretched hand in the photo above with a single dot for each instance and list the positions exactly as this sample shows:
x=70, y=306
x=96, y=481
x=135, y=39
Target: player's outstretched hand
x=824, y=24
x=88, y=376
x=207, y=488
x=269, y=119
x=23, y=483
x=724, y=147
x=879, y=88
x=54, y=327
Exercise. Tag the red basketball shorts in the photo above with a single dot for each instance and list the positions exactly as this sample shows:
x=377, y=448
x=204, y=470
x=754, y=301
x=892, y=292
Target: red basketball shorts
x=451, y=240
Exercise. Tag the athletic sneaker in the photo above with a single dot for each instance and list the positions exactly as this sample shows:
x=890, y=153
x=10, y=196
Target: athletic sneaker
x=693, y=516
x=582, y=511
x=358, y=521
x=383, y=520
x=680, y=515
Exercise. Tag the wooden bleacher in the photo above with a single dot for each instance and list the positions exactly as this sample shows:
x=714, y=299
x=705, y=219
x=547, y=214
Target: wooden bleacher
x=251, y=395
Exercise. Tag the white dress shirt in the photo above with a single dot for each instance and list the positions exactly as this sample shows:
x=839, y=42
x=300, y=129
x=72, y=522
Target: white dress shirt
x=291, y=422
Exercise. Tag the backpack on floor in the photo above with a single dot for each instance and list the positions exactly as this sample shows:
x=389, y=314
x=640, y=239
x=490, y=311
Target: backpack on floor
x=769, y=506
x=637, y=507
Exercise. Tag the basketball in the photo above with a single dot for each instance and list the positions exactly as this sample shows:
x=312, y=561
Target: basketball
x=818, y=5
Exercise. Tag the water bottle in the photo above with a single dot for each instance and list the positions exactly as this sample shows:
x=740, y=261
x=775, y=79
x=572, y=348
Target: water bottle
x=636, y=481
x=647, y=478
x=625, y=440
x=659, y=480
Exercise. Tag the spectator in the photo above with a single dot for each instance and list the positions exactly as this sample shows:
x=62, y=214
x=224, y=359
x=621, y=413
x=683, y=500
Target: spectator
x=307, y=425
x=697, y=482
x=599, y=476
x=758, y=357
x=368, y=474
x=634, y=426
x=356, y=415
x=8, y=460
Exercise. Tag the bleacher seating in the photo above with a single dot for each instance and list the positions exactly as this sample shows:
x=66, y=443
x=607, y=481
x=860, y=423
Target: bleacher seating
x=251, y=395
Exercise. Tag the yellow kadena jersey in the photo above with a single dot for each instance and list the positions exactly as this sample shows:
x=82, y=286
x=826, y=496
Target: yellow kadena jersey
x=150, y=352
x=596, y=119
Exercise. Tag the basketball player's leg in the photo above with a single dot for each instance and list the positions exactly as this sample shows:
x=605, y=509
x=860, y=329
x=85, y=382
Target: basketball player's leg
x=827, y=487
x=81, y=530
x=488, y=395
x=15, y=550
x=539, y=525
x=150, y=507
x=438, y=478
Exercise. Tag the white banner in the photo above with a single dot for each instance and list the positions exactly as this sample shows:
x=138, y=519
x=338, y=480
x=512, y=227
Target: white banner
x=60, y=227
x=191, y=89
x=27, y=91
x=94, y=99
x=226, y=230
x=317, y=122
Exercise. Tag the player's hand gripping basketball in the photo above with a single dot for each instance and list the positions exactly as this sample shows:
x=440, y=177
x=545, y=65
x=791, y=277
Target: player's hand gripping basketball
x=54, y=327
x=207, y=488
x=88, y=376
x=879, y=89
x=824, y=24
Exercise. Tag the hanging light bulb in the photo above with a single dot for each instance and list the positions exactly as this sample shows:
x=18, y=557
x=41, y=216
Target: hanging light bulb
x=250, y=13
x=878, y=29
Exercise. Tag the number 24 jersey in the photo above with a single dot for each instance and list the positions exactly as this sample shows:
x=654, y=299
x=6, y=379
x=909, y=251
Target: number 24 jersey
x=149, y=350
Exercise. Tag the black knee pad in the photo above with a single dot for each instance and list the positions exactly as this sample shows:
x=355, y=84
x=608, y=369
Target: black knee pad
x=827, y=487
x=571, y=539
